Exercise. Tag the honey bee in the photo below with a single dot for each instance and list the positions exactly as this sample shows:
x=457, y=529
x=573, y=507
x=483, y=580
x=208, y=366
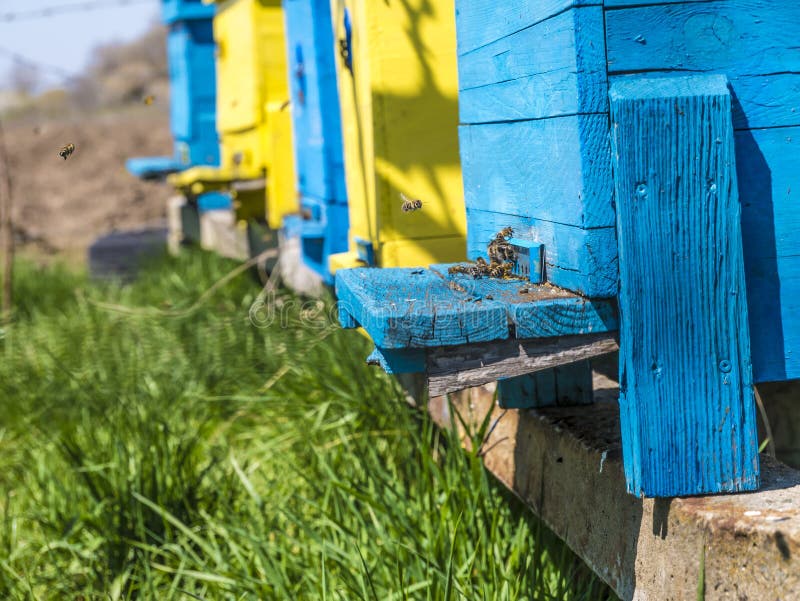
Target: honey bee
x=507, y=232
x=409, y=205
x=66, y=151
x=149, y=99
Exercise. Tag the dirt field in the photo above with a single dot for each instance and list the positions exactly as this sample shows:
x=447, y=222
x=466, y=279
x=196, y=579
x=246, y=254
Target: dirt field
x=61, y=206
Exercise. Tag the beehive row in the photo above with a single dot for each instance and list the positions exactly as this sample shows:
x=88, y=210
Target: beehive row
x=639, y=152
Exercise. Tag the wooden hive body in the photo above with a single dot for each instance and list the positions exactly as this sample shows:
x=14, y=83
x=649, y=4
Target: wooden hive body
x=190, y=59
x=534, y=79
x=253, y=112
x=317, y=132
x=399, y=101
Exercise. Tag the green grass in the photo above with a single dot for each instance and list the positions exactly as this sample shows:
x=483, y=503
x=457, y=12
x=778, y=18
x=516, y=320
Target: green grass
x=164, y=455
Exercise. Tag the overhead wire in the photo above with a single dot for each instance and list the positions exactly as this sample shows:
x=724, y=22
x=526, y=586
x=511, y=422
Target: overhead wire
x=60, y=9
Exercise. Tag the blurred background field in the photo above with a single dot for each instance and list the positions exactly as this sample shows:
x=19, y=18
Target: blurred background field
x=62, y=206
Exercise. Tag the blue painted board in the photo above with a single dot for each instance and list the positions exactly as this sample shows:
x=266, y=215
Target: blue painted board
x=583, y=261
x=190, y=61
x=398, y=361
x=556, y=169
x=414, y=308
x=404, y=308
x=557, y=67
x=213, y=201
x=152, y=167
x=769, y=183
x=183, y=10
x=539, y=311
x=562, y=386
x=480, y=22
x=686, y=390
x=315, y=99
x=752, y=42
x=190, y=56
x=316, y=122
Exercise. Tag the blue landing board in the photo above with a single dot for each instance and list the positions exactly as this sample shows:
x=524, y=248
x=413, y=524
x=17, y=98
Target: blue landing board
x=403, y=308
x=152, y=167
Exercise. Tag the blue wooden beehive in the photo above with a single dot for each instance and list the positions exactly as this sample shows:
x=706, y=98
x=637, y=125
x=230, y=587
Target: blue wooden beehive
x=190, y=57
x=317, y=132
x=677, y=122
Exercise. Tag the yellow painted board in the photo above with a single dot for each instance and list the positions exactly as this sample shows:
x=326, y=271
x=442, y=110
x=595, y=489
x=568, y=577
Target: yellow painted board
x=400, y=127
x=253, y=112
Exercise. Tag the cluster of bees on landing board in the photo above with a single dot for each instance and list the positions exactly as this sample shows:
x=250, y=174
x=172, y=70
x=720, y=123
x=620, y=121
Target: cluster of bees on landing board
x=501, y=259
x=67, y=150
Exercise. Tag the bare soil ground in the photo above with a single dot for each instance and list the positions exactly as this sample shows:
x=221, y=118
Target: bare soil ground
x=60, y=206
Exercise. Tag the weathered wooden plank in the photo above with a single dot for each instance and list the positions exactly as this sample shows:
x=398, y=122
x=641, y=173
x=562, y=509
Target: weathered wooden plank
x=584, y=261
x=564, y=386
x=539, y=311
x=456, y=368
x=480, y=22
x=557, y=67
x=766, y=164
x=773, y=292
x=315, y=100
x=550, y=169
x=413, y=308
x=752, y=42
x=686, y=390
x=769, y=182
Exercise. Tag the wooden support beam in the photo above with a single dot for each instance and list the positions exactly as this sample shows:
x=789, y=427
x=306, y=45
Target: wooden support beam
x=455, y=368
x=687, y=407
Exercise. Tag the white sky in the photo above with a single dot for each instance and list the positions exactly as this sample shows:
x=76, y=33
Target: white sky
x=65, y=41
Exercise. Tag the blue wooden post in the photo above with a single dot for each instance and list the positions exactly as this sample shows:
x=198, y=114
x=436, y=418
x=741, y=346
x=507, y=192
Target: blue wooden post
x=317, y=127
x=686, y=389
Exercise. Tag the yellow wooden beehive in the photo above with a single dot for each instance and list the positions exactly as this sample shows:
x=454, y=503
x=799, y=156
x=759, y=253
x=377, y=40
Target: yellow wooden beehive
x=253, y=113
x=399, y=101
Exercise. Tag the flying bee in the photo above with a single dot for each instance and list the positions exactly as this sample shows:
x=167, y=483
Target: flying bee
x=409, y=205
x=66, y=151
x=149, y=99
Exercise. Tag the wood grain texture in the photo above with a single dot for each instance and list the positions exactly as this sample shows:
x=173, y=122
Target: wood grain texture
x=480, y=22
x=583, y=261
x=539, y=311
x=557, y=67
x=412, y=308
x=455, y=368
x=564, y=386
x=752, y=42
x=555, y=169
x=402, y=308
x=686, y=394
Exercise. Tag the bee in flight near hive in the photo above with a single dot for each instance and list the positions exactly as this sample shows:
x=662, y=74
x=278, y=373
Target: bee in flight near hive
x=149, y=99
x=66, y=151
x=409, y=205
